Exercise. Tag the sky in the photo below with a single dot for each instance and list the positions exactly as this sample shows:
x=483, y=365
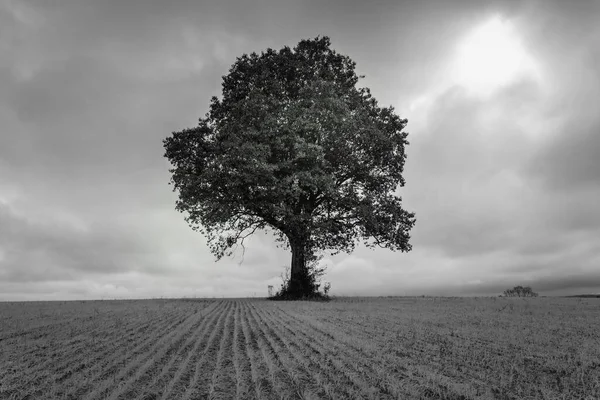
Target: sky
x=503, y=167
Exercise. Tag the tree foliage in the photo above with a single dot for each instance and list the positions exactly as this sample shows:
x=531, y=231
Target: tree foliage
x=520, y=291
x=295, y=147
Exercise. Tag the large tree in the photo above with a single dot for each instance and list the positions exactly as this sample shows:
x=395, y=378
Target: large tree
x=295, y=146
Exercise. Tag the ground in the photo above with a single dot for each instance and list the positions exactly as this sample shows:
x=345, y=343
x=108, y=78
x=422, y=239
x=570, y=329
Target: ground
x=378, y=348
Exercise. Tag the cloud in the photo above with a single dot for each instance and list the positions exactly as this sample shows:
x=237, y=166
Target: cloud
x=505, y=186
x=113, y=260
x=570, y=160
x=353, y=276
x=462, y=171
x=57, y=250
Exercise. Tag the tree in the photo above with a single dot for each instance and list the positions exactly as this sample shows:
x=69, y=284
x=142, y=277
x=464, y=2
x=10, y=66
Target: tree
x=520, y=291
x=295, y=147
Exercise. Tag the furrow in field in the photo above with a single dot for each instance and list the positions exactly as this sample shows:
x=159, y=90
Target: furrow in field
x=424, y=349
x=32, y=333
x=176, y=387
x=242, y=364
x=304, y=373
x=371, y=329
x=326, y=381
x=62, y=359
x=223, y=384
x=284, y=379
x=95, y=327
x=31, y=346
x=127, y=362
x=336, y=349
x=97, y=359
x=66, y=354
x=47, y=377
x=35, y=362
x=418, y=353
x=172, y=372
x=377, y=331
x=159, y=363
x=361, y=331
x=263, y=387
x=74, y=327
x=205, y=366
x=307, y=373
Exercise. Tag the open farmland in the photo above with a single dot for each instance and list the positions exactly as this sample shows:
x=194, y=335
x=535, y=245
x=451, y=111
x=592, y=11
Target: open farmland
x=380, y=348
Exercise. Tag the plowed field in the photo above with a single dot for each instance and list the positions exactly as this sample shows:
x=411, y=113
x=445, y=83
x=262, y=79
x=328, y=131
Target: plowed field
x=363, y=348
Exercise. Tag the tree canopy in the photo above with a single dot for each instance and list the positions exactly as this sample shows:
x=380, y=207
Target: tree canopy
x=293, y=145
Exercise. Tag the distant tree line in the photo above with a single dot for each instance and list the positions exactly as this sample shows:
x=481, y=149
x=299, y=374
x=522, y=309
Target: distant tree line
x=519, y=291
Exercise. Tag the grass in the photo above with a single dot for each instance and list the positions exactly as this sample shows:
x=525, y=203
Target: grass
x=368, y=348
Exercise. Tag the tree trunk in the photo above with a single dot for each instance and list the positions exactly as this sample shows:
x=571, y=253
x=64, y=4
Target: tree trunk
x=300, y=284
x=298, y=260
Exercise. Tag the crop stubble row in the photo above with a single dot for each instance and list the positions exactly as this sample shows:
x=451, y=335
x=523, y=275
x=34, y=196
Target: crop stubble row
x=243, y=349
x=226, y=349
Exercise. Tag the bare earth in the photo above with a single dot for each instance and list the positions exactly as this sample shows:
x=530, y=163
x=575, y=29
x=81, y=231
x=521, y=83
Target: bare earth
x=363, y=348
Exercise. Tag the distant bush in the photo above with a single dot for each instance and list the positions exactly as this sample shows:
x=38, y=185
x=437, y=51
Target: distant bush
x=520, y=291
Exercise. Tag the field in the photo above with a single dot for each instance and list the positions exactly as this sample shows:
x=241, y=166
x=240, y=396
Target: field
x=363, y=348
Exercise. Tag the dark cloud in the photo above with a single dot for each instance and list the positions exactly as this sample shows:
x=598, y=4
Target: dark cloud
x=475, y=203
x=83, y=113
x=567, y=40
x=578, y=283
x=462, y=170
x=34, y=251
x=570, y=161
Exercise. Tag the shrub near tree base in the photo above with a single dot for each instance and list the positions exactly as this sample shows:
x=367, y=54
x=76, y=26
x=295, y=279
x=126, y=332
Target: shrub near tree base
x=302, y=288
x=306, y=286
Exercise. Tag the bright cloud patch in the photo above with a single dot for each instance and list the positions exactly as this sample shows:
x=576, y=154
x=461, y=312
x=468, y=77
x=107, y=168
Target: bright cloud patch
x=490, y=57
